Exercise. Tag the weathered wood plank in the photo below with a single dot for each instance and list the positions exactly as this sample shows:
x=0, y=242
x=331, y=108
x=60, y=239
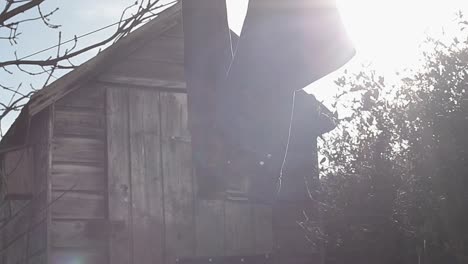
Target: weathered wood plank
x=62, y=256
x=39, y=136
x=76, y=149
x=77, y=205
x=89, y=95
x=239, y=230
x=176, y=31
x=178, y=180
x=83, y=233
x=38, y=239
x=78, y=122
x=15, y=253
x=263, y=223
x=18, y=170
x=17, y=227
x=23, y=222
x=147, y=210
x=39, y=258
x=119, y=191
x=162, y=49
x=41, y=166
x=78, y=177
x=149, y=69
x=159, y=84
x=209, y=228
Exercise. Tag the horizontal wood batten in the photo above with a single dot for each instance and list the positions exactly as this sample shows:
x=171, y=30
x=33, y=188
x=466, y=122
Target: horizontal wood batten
x=72, y=149
x=79, y=205
x=89, y=123
x=167, y=85
x=79, y=177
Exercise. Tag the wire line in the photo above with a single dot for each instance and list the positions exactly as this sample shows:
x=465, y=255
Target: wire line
x=87, y=34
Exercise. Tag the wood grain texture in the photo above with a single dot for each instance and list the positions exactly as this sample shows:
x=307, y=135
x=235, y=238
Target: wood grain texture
x=178, y=180
x=154, y=83
x=162, y=49
x=78, y=177
x=119, y=188
x=149, y=69
x=76, y=149
x=25, y=223
x=146, y=178
x=89, y=95
x=263, y=223
x=77, y=205
x=65, y=256
x=176, y=31
x=15, y=253
x=40, y=137
x=79, y=122
x=81, y=233
x=239, y=229
x=39, y=258
x=37, y=239
x=209, y=228
x=24, y=232
x=19, y=166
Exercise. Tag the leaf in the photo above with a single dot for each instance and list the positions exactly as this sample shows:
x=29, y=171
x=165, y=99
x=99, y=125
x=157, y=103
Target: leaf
x=323, y=160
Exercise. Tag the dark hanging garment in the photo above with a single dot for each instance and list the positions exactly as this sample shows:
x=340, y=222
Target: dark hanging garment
x=207, y=55
x=284, y=46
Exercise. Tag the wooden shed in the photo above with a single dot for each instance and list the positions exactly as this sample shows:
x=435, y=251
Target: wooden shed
x=97, y=169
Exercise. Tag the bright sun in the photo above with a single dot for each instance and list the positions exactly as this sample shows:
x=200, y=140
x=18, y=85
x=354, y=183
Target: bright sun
x=386, y=33
x=390, y=31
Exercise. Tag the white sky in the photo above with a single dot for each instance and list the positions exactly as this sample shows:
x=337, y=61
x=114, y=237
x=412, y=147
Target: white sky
x=387, y=33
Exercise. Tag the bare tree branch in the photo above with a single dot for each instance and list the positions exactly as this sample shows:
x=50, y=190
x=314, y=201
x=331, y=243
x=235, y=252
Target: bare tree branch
x=8, y=14
x=18, y=12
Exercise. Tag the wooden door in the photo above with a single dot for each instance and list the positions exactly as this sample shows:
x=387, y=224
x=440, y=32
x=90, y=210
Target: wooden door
x=135, y=176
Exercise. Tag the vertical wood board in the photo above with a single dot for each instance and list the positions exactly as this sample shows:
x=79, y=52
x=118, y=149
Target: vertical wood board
x=146, y=179
x=209, y=228
x=178, y=180
x=119, y=188
x=239, y=229
x=263, y=223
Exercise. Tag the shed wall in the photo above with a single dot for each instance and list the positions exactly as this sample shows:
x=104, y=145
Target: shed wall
x=160, y=214
x=78, y=178
x=114, y=172
x=23, y=224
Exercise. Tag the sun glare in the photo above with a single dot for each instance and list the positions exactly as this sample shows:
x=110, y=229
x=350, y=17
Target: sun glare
x=386, y=34
x=389, y=32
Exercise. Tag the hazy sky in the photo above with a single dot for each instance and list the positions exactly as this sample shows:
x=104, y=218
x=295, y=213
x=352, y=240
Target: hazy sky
x=386, y=33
